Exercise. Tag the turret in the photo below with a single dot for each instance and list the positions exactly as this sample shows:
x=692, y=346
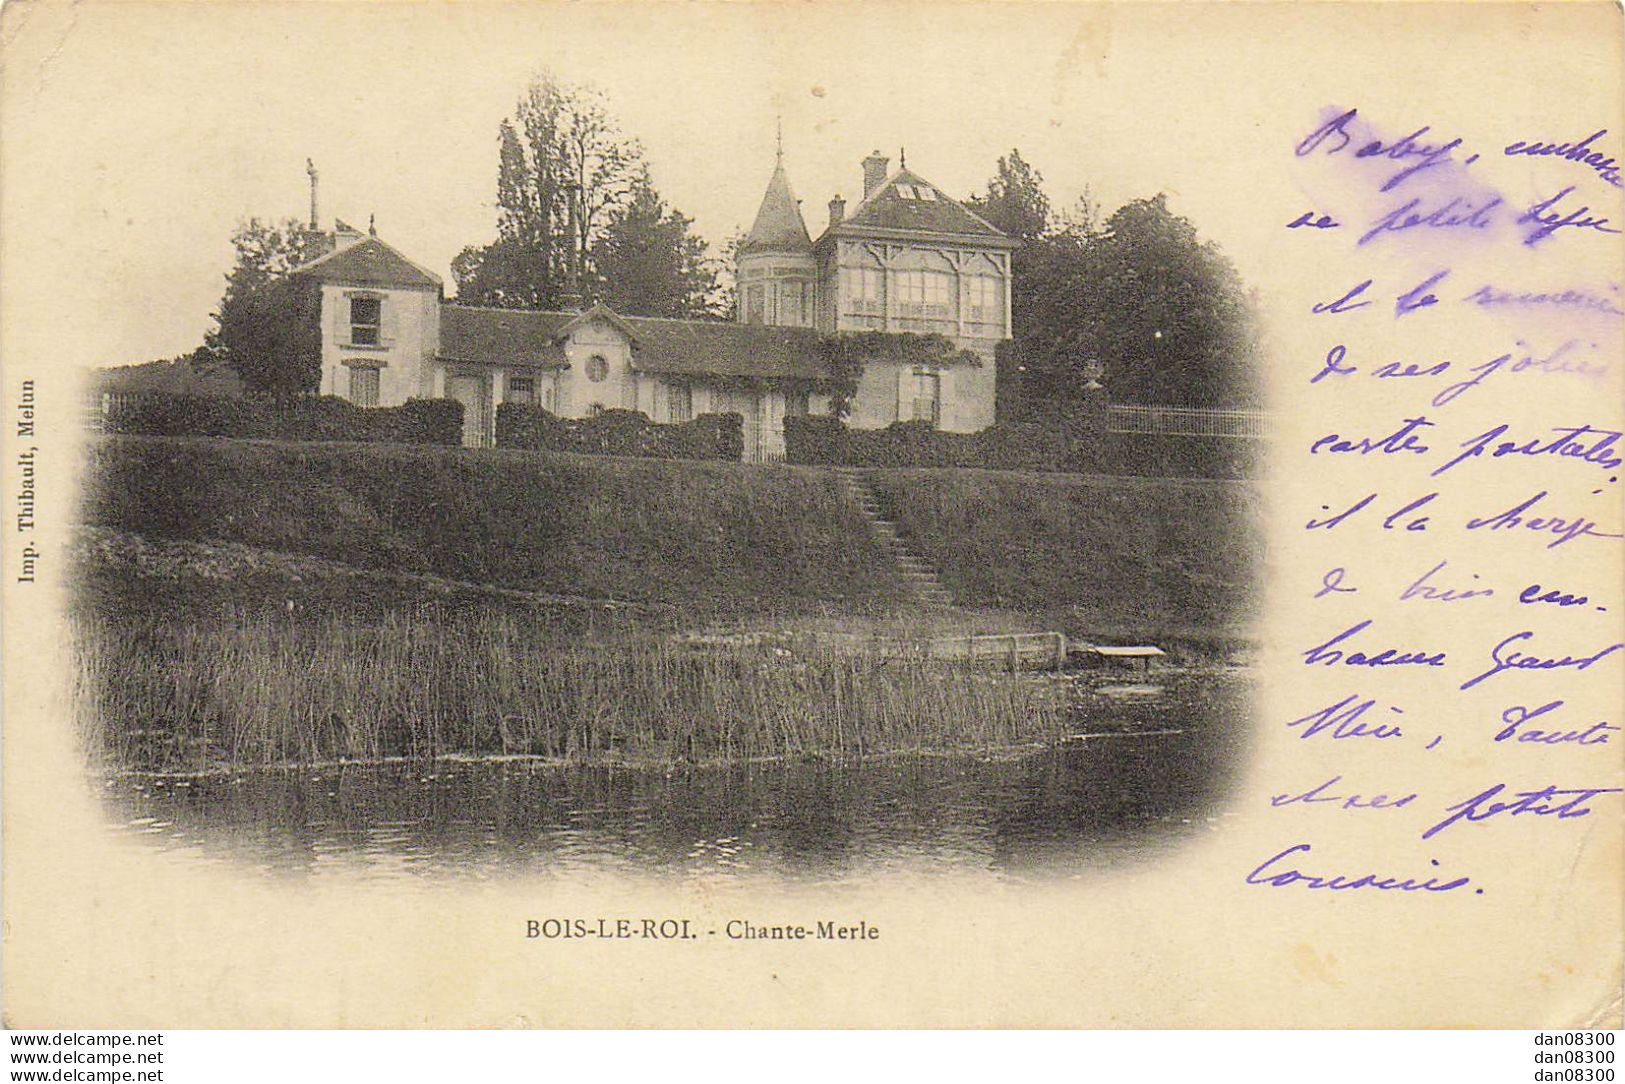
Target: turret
x=777, y=270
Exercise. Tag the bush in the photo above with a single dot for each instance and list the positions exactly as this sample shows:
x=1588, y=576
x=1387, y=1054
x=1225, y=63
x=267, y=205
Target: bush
x=426, y=421
x=1082, y=447
x=533, y=428
x=419, y=421
x=162, y=415
x=814, y=438
x=620, y=432
x=729, y=430
x=822, y=440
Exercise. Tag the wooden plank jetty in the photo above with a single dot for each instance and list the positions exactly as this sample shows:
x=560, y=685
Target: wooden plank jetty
x=1140, y=655
x=1040, y=650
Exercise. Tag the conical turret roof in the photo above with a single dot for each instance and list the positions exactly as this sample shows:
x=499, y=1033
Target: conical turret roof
x=779, y=226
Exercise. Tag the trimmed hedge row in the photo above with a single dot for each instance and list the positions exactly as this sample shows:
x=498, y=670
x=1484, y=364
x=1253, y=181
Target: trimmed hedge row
x=1083, y=448
x=824, y=440
x=620, y=432
x=418, y=421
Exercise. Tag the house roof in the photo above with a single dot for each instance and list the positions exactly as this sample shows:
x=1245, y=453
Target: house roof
x=369, y=262
x=779, y=226
x=503, y=336
x=675, y=347
x=713, y=348
x=907, y=203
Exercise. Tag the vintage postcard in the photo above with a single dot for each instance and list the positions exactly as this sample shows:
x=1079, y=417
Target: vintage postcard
x=747, y=515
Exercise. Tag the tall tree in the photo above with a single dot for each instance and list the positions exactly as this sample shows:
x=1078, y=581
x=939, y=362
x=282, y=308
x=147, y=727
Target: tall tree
x=1140, y=293
x=646, y=262
x=268, y=329
x=1015, y=202
x=1163, y=310
x=560, y=152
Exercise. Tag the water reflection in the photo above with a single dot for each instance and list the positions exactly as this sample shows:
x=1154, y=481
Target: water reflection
x=1153, y=770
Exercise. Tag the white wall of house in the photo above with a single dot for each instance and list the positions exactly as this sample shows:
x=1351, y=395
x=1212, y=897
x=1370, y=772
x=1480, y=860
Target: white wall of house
x=400, y=349
x=617, y=387
x=960, y=292
x=890, y=391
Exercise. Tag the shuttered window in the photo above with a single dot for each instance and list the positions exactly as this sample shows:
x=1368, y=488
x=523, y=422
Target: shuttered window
x=366, y=321
x=927, y=396
x=364, y=386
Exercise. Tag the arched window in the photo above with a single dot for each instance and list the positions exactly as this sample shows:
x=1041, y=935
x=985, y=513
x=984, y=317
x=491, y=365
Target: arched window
x=597, y=368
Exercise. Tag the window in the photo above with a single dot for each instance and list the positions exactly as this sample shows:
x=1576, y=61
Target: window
x=597, y=368
x=924, y=293
x=927, y=396
x=754, y=305
x=366, y=320
x=795, y=403
x=521, y=389
x=864, y=289
x=795, y=304
x=985, y=297
x=679, y=403
x=916, y=191
x=363, y=386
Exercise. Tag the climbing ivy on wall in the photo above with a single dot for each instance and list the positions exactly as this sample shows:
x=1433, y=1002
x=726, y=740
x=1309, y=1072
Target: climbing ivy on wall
x=844, y=354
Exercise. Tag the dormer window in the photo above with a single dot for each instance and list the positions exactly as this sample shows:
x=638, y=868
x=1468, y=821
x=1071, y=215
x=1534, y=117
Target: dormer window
x=366, y=320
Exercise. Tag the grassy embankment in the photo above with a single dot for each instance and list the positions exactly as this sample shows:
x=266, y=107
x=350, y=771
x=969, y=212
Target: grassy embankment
x=1158, y=558
x=201, y=662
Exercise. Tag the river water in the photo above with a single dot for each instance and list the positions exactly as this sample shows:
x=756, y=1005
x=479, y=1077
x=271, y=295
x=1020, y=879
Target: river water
x=1154, y=772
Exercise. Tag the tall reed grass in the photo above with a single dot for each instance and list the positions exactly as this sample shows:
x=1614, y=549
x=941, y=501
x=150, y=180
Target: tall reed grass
x=282, y=689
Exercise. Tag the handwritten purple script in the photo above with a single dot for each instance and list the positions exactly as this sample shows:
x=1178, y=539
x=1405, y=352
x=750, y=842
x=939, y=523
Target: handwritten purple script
x=1459, y=352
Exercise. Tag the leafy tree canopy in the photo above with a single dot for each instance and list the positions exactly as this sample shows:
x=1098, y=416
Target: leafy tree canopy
x=574, y=194
x=1141, y=293
x=648, y=263
x=268, y=329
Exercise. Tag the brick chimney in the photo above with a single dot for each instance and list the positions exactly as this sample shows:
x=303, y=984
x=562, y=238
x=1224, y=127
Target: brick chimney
x=837, y=211
x=874, y=173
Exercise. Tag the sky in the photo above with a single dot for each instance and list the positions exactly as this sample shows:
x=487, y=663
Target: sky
x=139, y=135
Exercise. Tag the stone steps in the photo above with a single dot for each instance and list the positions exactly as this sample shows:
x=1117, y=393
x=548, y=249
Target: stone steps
x=915, y=571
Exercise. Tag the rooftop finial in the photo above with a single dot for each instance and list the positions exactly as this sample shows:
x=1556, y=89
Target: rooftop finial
x=778, y=123
x=372, y=225
x=902, y=157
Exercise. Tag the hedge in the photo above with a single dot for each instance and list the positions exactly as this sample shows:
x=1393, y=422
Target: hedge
x=418, y=421
x=620, y=432
x=825, y=440
x=1082, y=448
